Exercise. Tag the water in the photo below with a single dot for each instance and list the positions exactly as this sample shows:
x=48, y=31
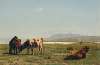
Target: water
x=59, y=42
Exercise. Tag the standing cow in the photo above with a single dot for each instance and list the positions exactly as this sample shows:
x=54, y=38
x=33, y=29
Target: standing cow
x=37, y=43
x=18, y=45
x=12, y=45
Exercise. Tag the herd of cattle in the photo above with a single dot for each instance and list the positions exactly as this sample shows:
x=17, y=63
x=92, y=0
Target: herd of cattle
x=16, y=47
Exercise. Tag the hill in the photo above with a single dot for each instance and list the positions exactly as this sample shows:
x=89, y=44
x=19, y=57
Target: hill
x=72, y=38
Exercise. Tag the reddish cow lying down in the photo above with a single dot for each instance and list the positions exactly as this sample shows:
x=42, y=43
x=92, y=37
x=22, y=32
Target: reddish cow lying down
x=77, y=54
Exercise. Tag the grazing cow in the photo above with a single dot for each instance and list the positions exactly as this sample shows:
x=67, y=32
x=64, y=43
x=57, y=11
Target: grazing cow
x=25, y=45
x=12, y=45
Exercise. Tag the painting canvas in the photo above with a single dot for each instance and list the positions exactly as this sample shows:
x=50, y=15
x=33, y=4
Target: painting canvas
x=49, y=32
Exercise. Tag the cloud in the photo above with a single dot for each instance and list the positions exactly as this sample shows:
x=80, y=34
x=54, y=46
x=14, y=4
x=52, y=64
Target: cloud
x=39, y=9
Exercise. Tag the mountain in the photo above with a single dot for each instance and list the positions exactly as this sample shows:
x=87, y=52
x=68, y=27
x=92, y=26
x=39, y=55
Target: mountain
x=72, y=38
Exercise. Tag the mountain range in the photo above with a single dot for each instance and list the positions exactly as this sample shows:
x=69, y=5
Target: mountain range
x=72, y=38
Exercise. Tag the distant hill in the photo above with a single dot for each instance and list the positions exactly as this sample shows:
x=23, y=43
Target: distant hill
x=72, y=38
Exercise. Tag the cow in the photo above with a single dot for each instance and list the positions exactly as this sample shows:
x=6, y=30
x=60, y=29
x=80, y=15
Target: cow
x=77, y=54
x=18, y=45
x=37, y=43
x=12, y=45
x=25, y=45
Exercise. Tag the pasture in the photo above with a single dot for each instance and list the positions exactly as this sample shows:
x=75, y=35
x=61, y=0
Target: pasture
x=54, y=54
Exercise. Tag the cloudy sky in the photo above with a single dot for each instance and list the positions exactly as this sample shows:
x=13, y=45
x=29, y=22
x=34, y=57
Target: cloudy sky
x=27, y=18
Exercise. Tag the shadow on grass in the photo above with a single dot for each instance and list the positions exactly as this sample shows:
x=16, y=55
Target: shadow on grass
x=6, y=53
x=72, y=58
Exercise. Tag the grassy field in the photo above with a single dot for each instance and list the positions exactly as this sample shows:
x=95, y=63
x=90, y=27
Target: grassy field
x=54, y=54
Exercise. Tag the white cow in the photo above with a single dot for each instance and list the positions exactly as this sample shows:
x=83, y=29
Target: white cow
x=37, y=43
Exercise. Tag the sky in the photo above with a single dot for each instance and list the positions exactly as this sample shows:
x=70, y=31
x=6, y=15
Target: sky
x=29, y=18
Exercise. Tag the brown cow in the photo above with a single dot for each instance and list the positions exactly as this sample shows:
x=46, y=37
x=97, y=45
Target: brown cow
x=77, y=54
x=18, y=45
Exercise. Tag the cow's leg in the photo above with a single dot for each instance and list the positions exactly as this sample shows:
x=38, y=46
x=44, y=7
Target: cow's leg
x=32, y=51
x=10, y=50
x=20, y=49
x=15, y=50
x=41, y=50
x=35, y=51
x=27, y=50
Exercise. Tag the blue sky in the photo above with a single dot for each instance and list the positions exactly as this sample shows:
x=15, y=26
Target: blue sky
x=28, y=18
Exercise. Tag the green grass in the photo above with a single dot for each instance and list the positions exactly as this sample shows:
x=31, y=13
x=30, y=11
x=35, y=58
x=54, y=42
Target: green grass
x=50, y=56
